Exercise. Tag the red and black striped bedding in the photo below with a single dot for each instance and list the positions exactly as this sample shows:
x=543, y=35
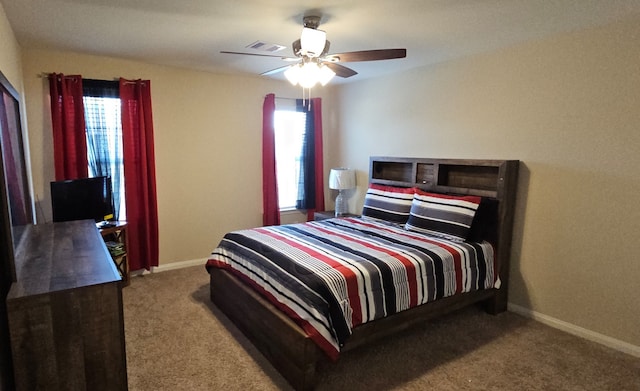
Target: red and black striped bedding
x=332, y=275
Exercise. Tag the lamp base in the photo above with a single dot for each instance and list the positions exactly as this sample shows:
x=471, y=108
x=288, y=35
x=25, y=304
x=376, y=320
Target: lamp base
x=341, y=205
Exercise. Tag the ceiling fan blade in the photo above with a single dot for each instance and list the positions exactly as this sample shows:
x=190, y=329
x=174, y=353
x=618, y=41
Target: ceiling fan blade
x=341, y=70
x=367, y=55
x=262, y=55
x=277, y=70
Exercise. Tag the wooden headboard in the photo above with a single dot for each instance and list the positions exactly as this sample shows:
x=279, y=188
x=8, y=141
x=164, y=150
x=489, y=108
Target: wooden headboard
x=491, y=179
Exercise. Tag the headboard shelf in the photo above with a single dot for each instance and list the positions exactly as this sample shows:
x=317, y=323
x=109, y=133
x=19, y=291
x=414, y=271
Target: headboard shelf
x=392, y=171
x=475, y=177
x=460, y=176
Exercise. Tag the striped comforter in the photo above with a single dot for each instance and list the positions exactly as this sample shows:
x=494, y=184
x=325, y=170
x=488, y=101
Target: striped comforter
x=332, y=275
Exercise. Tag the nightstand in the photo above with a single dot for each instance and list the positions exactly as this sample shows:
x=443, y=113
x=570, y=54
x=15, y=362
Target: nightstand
x=329, y=214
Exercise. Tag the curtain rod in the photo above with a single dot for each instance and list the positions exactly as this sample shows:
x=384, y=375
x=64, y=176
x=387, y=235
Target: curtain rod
x=45, y=75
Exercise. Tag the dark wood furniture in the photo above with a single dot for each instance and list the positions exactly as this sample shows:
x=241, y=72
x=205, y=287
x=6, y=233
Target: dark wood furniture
x=117, y=242
x=287, y=346
x=16, y=210
x=329, y=214
x=65, y=311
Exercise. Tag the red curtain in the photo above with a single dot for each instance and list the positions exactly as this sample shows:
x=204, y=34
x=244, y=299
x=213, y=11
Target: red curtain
x=139, y=173
x=270, y=209
x=69, y=136
x=316, y=109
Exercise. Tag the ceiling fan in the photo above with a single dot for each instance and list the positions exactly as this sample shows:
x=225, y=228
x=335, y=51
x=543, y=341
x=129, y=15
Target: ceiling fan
x=314, y=64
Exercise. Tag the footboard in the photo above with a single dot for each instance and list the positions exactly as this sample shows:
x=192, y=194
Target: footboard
x=277, y=337
x=286, y=345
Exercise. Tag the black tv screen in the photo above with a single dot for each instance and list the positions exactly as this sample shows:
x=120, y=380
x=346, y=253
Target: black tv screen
x=82, y=199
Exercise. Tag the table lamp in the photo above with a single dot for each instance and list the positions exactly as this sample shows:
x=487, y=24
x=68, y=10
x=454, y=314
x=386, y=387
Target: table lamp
x=341, y=179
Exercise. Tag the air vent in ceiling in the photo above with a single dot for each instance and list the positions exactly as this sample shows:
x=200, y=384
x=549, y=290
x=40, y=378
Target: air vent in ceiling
x=265, y=47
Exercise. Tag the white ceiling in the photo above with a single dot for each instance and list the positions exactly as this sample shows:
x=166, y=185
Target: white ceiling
x=191, y=33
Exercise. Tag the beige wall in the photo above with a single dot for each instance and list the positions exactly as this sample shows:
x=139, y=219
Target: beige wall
x=569, y=109
x=9, y=53
x=207, y=144
x=11, y=68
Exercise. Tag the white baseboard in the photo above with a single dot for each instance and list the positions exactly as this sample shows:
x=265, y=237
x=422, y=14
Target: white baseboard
x=576, y=330
x=179, y=265
x=170, y=266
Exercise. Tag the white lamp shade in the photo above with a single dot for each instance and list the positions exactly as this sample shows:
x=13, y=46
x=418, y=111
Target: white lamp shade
x=312, y=41
x=309, y=75
x=342, y=179
x=325, y=74
x=293, y=74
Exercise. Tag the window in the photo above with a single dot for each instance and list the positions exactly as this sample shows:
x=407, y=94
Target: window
x=289, y=126
x=104, y=137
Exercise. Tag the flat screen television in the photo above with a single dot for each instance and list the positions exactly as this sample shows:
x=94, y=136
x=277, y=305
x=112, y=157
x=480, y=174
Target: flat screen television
x=82, y=199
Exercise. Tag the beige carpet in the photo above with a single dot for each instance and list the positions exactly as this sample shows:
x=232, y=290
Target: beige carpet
x=177, y=340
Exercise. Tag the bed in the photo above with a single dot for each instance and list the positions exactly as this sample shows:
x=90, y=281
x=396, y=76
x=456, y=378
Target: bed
x=435, y=236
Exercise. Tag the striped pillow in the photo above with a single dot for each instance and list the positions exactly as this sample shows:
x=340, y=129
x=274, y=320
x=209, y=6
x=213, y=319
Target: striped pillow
x=445, y=216
x=388, y=203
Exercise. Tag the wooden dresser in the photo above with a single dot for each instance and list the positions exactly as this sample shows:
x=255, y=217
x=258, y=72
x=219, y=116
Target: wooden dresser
x=65, y=311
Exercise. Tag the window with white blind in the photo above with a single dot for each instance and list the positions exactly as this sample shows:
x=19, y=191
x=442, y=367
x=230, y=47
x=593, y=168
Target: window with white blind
x=289, y=128
x=104, y=145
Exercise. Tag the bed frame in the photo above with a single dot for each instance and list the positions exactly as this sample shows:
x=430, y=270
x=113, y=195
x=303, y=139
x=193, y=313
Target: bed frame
x=287, y=346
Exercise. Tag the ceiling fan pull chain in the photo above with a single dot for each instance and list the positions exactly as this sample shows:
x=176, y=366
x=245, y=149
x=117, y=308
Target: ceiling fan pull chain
x=306, y=100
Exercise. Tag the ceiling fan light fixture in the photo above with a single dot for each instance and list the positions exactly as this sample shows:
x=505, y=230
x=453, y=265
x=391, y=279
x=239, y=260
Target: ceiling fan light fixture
x=293, y=74
x=325, y=74
x=309, y=75
x=312, y=42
